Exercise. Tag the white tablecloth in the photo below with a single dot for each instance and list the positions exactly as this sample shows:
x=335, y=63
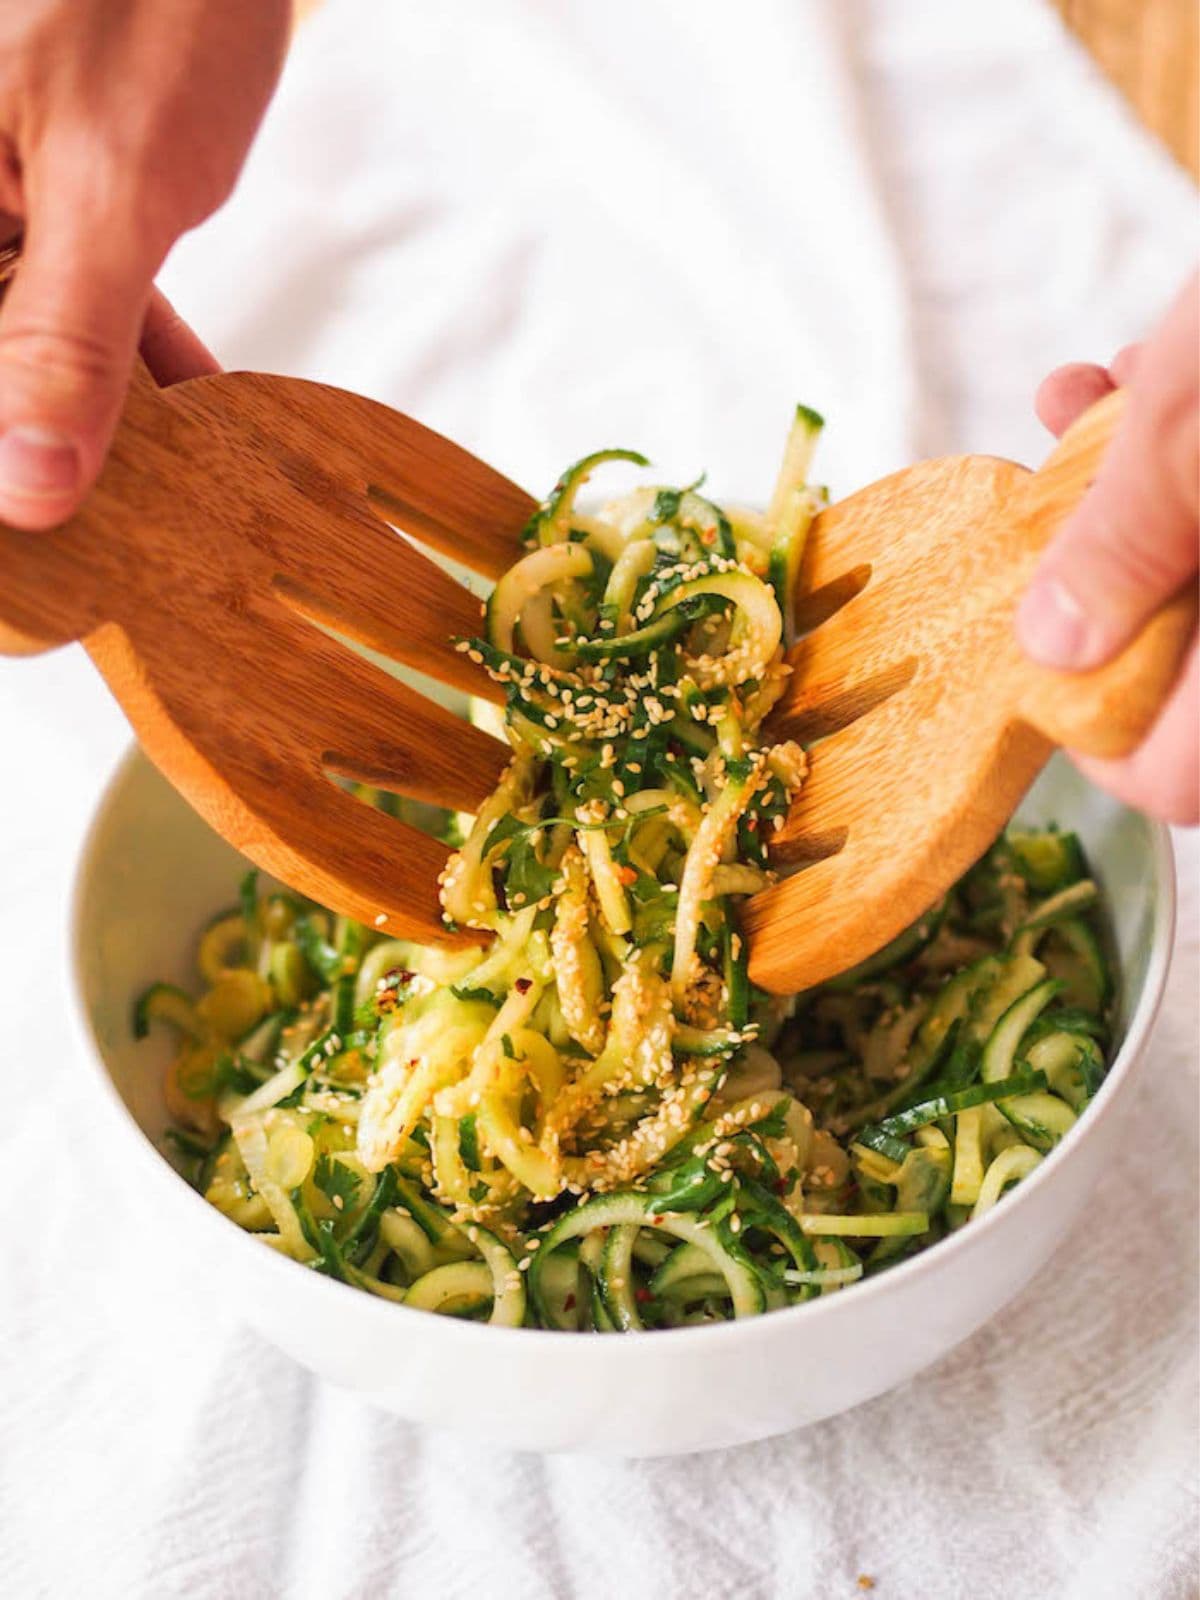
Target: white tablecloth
x=542, y=228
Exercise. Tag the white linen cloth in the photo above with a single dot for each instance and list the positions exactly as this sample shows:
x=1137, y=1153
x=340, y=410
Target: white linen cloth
x=542, y=228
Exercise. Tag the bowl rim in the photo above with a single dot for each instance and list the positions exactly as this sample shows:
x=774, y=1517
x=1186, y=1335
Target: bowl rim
x=482, y=1336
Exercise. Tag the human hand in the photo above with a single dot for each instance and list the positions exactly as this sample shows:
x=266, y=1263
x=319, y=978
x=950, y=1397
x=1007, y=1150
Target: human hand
x=121, y=126
x=1132, y=543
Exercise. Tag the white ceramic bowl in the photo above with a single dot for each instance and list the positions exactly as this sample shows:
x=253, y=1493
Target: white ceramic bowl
x=152, y=873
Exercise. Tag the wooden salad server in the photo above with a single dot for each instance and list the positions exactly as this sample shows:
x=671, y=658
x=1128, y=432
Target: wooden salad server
x=236, y=511
x=931, y=721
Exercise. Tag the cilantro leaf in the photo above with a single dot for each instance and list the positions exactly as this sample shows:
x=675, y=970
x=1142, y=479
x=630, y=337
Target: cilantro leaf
x=468, y=1142
x=774, y=1124
x=666, y=505
x=336, y=1180
x=527, y=878
x=507, y=827
x=321, y=956
x=465, y=991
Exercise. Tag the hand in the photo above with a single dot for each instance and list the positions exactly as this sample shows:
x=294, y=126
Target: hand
x=1132, y=543
x=121, y=126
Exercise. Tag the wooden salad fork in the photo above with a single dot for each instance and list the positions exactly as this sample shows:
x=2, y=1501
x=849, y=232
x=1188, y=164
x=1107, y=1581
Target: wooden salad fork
x=236, y=511
x=930, y=723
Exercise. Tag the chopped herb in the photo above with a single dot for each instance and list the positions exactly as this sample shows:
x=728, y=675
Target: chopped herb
x=468, y=1142
x=527, y=878
x=644, y=1103
x=336, y=1180
x=464, y=991
x=322, y=957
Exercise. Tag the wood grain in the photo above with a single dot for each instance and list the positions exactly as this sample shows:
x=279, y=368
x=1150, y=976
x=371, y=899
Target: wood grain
x=235, y=510
x=232, y=511
x=936, y=723
x=1151, y=51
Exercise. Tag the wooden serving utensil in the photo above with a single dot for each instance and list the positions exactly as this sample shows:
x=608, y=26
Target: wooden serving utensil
x=931, y=721
x=237, y=511
x=233, y=513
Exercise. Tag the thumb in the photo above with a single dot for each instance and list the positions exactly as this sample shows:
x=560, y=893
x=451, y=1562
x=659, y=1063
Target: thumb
x=69, y=327
x=1132, y=541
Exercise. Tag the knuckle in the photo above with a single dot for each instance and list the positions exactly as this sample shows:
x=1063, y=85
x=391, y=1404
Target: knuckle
x=1179, y=432
x=1167, y=423
x=138, y=162
x=115, y=184
x=1133, y=560
x=61, y=357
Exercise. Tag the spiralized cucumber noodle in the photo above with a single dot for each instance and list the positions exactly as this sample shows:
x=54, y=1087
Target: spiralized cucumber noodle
x=591, y=1119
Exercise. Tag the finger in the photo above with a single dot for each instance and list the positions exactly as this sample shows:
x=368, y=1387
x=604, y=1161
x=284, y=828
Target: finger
x=1068, y=392
x=1162, y=776
x=69, y=325
x=1132, y=540
x=169, y=347
x=1124, y=364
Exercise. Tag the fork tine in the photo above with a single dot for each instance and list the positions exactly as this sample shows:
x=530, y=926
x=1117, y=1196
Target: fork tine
x=350, y=572
x=289, y=693
x=884, y=616
x=269, y=796
x=846, y=906
x=366, y=725
x=874, y=774
x=851, y=661
x=435, y=490
x=354, y=859
x=817, y=709
x=374, y=868
x=388, y=634
x=337, y=564
x=844, y=788
x=789, y=925
x=375, y=587
x=861, y=818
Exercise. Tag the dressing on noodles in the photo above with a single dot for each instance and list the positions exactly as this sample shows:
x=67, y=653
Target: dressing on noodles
x=593, y=1119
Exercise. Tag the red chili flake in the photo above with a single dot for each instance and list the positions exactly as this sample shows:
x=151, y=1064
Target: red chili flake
x=781, y=1186
x=523, y=985
x=627, y=876
x=569, y=1303
x=642, y=1295
x=387, y=996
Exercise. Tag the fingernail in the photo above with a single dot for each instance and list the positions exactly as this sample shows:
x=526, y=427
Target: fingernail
x=38, y=464
x=1054, y=628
